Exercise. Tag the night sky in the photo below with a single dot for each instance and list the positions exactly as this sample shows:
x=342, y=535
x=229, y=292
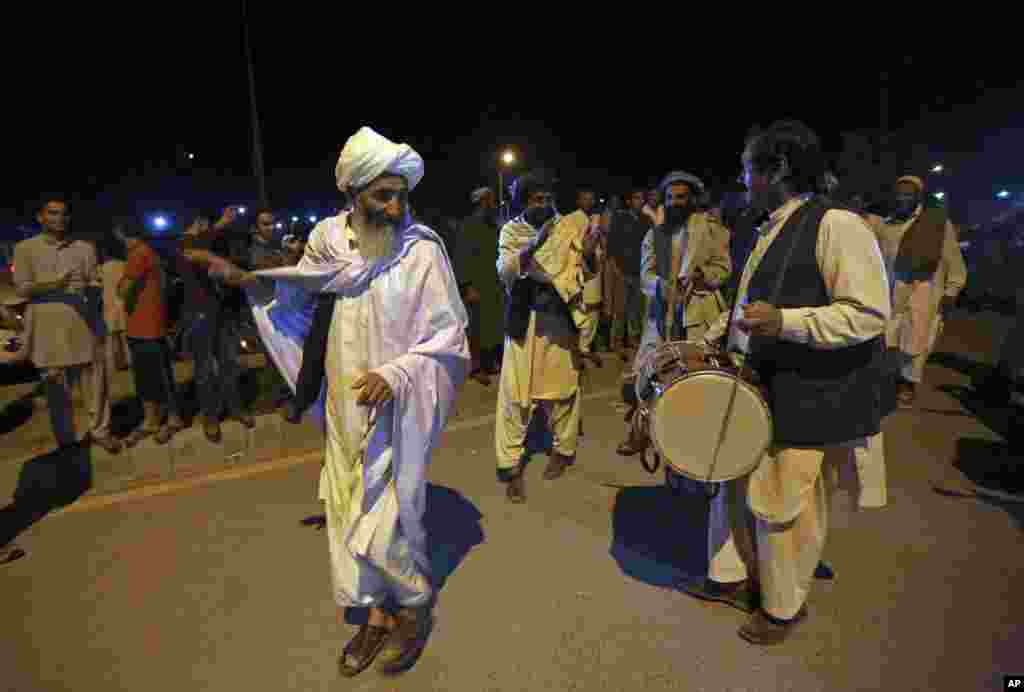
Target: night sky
x=638, y=109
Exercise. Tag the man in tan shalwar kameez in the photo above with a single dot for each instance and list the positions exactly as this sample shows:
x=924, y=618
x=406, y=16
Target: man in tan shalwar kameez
x=544, y=265
x=815, y=339
x=926, y=274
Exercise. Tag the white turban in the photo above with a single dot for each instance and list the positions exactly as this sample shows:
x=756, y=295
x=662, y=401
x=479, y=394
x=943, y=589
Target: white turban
x=367, y=156
x=681, y=177
x=478, y=194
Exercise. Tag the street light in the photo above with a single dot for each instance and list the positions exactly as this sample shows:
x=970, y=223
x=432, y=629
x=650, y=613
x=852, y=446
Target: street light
x=938, y=168
x=312, y=218
x=940, y=195
x=1003, y=194
x=508, y=158
x=191, y=156
x=295, y=219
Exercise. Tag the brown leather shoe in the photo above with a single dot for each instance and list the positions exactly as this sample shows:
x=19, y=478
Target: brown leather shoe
x=740, y=595
x=515, y=490
x=764, y=630
x=481, y=377
x=406, y=641
x=211, y=428
x=557, y=466
x=245, y=419
x=906, y=394
x=111, y=445
x=362, y=650
x=631, y=447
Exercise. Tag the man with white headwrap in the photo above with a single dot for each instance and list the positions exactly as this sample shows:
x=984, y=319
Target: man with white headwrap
x=475, y=252
x=685, y=261
x=544, y=265
x=396, y=354
x=926, y=274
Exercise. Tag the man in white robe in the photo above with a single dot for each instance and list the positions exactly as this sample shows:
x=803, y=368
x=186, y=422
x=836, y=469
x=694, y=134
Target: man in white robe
x=544, y=265
x=396, y=354
x=818, y=350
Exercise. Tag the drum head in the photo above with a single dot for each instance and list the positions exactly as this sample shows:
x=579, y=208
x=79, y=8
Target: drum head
x=687, y=421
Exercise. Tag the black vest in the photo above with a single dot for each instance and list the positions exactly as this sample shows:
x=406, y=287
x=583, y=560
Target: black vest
x=817, y=397
x=528, y=295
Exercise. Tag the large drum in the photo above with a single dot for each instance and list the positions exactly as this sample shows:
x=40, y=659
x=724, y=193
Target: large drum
x=706, y=420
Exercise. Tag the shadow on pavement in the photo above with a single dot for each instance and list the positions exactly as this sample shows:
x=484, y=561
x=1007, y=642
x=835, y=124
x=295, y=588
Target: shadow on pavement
x=660, y=535
x=966, y=366
x=453, y=529
x=46, y=483
x=990, y=464
x=1005, y=420
x=15, y=414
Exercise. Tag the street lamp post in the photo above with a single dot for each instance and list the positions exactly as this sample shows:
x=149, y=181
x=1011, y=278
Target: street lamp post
x=507, y=159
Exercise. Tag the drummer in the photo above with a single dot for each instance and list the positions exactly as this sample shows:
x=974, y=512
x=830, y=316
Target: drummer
x=816, y=350
x=685, y=259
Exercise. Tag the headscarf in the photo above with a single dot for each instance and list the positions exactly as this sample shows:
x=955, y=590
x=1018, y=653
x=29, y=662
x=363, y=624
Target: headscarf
x=681, y=177
x=367, y=155
x=913, y=180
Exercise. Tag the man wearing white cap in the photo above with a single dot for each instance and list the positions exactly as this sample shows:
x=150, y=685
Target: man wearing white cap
x=685, y=261
x=926, y=274
x=396, y=354
x=476, y=251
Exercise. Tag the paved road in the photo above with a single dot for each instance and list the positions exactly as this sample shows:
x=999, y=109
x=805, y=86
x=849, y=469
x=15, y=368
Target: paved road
x=217, y=587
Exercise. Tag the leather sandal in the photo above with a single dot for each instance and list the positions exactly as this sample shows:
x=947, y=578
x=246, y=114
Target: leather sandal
x=362, y=650
x=212, y=432
x=630, y=447
x=406, y=641
x=741, y=595
x=557, y=466
x=138, y=435
x=765, y=630
x=515, y=490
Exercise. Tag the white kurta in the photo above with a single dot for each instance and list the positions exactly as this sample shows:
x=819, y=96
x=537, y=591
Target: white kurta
x=400, y=317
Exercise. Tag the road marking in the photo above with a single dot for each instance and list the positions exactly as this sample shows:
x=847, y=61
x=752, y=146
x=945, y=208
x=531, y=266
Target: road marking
x=97, y=502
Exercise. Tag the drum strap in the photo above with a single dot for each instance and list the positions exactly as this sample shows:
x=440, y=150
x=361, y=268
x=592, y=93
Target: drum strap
x=712, y=488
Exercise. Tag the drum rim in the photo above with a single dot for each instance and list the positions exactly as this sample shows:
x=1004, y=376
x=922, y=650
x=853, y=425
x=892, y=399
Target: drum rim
x=751, y=388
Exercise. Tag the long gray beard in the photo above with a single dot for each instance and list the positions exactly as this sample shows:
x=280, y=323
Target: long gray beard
x=376, y=242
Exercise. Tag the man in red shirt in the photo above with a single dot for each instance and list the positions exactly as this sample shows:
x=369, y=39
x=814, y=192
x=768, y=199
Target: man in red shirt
x=143, y=290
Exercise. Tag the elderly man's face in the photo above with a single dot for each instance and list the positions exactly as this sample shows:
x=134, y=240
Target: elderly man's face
x=678, y=195
x=385, y=200
x=907, y=197
x=585, y=200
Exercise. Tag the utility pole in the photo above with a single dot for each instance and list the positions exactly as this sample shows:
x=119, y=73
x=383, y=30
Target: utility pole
x=257, y=140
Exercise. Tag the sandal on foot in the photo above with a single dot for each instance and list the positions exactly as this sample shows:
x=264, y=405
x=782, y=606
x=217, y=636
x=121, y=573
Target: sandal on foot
x=137, y=436
x=362, y=650
x=516, y=490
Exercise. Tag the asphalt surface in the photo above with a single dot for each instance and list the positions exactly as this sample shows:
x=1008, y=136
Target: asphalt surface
x=217, y=586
